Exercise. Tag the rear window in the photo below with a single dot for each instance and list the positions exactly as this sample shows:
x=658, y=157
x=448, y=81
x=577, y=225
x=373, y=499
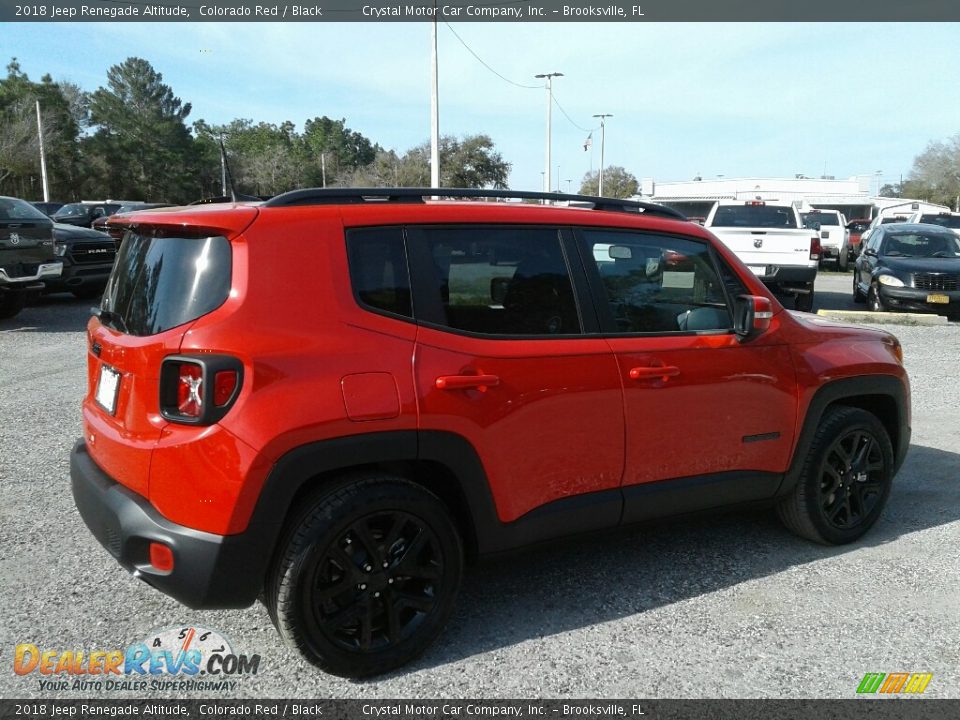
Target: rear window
x=161, y=282
x=822, y=218
x=770, y=216
x=14, y=209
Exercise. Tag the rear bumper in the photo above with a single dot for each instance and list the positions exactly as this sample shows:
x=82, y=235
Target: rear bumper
x=210, y=571
x=790, y=278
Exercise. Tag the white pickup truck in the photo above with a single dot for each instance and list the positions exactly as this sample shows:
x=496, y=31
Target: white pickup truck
x=769, y=238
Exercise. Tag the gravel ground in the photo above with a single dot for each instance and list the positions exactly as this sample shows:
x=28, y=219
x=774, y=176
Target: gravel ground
x=730, y=606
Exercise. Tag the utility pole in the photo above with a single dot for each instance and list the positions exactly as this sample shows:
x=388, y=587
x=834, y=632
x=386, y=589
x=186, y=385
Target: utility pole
x=223, y=169
x=323, y=168
x=549, y=78
x=603, y=138
x=434, y=108
x=43, y=157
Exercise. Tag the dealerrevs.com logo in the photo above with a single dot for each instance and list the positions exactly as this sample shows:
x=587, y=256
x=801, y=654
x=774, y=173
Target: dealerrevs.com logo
x=180, y=658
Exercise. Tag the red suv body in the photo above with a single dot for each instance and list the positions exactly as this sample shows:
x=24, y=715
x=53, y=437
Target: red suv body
x=332, y=398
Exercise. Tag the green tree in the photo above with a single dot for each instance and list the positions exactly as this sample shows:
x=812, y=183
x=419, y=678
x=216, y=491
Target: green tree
x=617, y=183
x=344, y=150
x=142, y=143
x=936, y=173
x=20, y=172
x=472, y=162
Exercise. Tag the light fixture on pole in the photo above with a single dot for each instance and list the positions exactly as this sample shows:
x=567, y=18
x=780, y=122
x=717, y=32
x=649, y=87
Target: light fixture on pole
x=603, y=137
x=549, y=78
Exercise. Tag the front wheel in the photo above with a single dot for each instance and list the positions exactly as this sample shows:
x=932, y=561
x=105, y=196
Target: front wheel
x=858, y=296
x=845, y=479
x=874, y=301
x=367, y=575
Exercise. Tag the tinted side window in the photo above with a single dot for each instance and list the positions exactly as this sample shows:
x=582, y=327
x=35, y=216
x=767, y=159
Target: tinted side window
x=502, y=280
x=378, y=269
x=657, y=283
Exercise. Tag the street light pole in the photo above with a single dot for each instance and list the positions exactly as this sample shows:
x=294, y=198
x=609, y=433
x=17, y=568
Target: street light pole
x=603, y=139
x=434, y=109
x=549, y=78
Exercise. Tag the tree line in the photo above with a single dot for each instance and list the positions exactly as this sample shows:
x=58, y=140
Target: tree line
x=130, y=139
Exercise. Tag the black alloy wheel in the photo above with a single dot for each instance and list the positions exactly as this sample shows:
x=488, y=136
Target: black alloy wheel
x=375, y=584
x=851, y=479
x=845, y=478
x=367, y=574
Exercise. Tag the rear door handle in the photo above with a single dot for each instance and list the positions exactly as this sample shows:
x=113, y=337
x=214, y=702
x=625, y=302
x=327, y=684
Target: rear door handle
x=464, y=382
x=646, y=373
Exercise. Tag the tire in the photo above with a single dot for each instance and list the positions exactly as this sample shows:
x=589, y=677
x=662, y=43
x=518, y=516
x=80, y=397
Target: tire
x=874, y=301
x=366, y=576
x=843, y=262
x=804, y=302
x=11, y=303
x=826, y=506
x=858, y=296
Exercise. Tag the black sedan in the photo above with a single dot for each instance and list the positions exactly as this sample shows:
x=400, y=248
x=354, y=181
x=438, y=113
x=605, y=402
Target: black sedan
x=910, y=267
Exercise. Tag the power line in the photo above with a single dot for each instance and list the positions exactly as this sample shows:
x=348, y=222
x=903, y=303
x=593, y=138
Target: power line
x=586, y=130
x=482, y=62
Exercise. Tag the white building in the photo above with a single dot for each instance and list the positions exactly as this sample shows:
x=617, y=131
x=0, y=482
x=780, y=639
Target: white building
x=694, y=198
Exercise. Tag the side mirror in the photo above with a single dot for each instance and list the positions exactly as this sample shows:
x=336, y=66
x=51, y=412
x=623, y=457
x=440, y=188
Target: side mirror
x=870, y=251
x=751, y=316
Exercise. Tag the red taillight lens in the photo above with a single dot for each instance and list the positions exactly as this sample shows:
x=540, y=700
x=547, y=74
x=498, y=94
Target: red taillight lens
x=224, y=385
x=815, y=248
x=190, y=390
x=161, y=557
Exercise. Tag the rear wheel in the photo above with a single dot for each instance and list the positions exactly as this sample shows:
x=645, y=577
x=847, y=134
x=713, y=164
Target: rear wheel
x=843, y=262
x=367, y=576
x=11, y=303
x=845, y=480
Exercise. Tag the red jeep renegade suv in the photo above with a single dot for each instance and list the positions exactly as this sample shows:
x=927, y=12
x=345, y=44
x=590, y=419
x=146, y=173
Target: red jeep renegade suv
x=331, y=399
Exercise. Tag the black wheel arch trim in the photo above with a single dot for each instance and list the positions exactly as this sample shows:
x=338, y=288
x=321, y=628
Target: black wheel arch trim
x=870, y=392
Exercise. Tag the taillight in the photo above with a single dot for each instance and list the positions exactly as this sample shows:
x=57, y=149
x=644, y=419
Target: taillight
x=815, y=248
x=190, y=390
x=199, y=389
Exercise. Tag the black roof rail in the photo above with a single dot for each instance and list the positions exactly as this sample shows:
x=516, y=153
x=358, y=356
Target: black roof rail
x=340, y=196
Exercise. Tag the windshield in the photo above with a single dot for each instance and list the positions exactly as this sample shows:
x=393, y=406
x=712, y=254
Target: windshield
x=14, y=209
x=947, y=221
x=161, y=282
x=769, y=216
x=921, y=245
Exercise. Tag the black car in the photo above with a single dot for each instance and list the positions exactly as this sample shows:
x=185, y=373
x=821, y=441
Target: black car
x=26, y=254
x=83, y=214
x=101, y=222
x=87, y=257
x=910, y=267
x=48, y=208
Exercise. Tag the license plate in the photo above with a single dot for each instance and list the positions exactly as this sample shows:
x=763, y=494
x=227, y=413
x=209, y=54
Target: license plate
x=758, y=269
x=107, y=389
x=938, y=299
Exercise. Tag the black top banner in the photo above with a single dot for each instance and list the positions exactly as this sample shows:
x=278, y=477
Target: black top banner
x=322, y=11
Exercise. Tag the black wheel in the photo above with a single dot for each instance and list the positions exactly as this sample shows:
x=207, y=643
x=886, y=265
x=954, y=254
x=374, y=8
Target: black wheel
x=845, y=479
x=367, y=576
x=11, y=303
x=858, y=296
x=874, y=302
x=843, y=262
x=804, y=302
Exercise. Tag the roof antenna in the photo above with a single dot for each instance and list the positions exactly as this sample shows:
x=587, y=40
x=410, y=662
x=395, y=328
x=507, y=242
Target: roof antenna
x=227, y=175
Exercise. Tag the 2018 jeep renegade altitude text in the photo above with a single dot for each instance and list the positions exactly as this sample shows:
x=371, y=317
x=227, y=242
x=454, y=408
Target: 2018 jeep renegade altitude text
x=331, y=399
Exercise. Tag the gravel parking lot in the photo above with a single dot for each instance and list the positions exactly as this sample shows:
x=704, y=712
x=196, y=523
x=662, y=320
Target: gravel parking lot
x=728, y=606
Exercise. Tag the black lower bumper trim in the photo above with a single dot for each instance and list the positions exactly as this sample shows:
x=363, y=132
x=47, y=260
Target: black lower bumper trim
x=210, y=571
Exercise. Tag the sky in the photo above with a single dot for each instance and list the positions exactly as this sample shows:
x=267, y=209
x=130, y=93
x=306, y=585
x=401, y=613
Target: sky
x=687, y=99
